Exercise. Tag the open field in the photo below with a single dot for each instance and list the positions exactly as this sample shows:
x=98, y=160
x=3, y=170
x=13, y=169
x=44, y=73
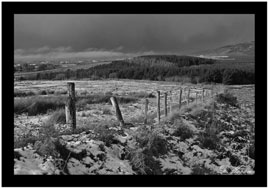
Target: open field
x=188, y=141
x=75, y=67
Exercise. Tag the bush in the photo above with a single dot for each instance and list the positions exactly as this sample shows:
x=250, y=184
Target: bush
x=50, y=91
x=209, y=138
x=103, y=133
x=48, y=135
x=150, y=145
x=143, y=162
x=42, y=92
x=183, y=131
x=227, y=98
x=152, y=141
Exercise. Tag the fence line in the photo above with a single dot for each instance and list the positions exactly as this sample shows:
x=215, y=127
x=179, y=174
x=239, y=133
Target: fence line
x=70, y=108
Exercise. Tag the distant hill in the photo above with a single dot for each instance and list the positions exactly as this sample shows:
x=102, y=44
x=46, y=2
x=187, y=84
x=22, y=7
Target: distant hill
x=170, y=60
x=241, y=51
x=161, y=68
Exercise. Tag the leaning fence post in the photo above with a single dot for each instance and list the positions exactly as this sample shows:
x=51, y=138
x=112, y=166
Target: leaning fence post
x=146, y=110
x=180, y=98
x=70, y=110
x=158, y=106
x=165, y=104
x=117, y=111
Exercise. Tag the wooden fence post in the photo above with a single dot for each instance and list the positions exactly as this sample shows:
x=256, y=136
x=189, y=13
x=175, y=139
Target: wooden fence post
x=70, y=110
x=188, y=96
x=158, y=106
x=146, y=110
x=212, y=93
x=203, y=97
x=117, y=111
x=180, y=98
x=165, y=103
x=196, y=97
x=170, y=101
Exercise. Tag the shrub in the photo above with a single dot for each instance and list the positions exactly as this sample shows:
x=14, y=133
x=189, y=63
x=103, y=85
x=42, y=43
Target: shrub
x=103, y=133
x=154, y=143
x=227, y=98
x=209, y=138
x=48, y=135
x=137, y=160
x=183, y=131
x=50, y=91
x=42, y=92
x=150, y=145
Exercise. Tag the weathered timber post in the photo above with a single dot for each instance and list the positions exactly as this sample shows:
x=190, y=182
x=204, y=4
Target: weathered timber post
x=212, y=93
x=158, y=106
x=117, y=111
x=203, y=97
x=213, y=112
x=180, y=98
x=188, y=96
x=70, y=110
x=170, y=101
x=165, y=104
x=146, y=110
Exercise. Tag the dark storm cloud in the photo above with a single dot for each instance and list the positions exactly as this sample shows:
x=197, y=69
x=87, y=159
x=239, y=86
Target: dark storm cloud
x=129, y=33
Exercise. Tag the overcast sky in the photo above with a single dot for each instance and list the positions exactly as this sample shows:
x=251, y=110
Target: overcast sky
x=171, y=33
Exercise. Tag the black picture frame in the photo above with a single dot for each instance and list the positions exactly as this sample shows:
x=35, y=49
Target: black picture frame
x=259, y=9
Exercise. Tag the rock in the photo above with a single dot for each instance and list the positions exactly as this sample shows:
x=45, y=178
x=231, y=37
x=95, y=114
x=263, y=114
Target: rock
x=87, y=160
x=122, y=139
x=67, y=137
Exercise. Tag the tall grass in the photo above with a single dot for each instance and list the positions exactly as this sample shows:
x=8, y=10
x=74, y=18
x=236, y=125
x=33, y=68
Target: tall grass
x=19, y=93
x=41, y=104
x=38, y=105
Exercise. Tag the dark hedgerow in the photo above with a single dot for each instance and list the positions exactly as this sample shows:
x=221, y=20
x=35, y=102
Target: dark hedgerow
x=227, y=98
